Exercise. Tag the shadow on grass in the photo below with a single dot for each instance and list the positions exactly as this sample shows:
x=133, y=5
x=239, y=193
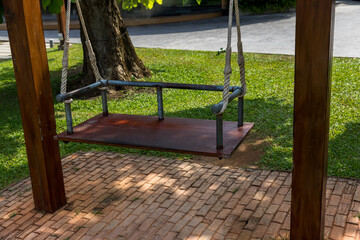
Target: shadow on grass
x=344, y=149
x=271, y=117
x=12, y=148
x=13, y=164
x=272, y=120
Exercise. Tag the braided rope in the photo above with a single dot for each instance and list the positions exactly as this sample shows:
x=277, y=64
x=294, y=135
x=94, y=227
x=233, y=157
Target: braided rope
x=241, y=61
x=91, y=53
x=65, y=60
x=227, y=69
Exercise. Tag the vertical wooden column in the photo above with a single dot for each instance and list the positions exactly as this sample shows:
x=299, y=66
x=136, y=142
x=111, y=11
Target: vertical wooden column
x=313, y=62
x=61, y=20
x=224, y=5
x=24, y=24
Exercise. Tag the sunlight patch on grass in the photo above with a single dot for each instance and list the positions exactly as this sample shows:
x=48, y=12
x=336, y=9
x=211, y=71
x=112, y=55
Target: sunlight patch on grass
x=269, y=104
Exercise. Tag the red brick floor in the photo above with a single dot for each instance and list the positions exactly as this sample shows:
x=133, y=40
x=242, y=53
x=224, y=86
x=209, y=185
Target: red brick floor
x=114, y=196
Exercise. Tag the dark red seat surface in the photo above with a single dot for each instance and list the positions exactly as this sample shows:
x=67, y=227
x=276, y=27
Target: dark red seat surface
x=184, y=135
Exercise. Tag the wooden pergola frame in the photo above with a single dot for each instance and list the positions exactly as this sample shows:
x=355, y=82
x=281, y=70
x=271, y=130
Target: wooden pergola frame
x=313, y=62
x=61, y=20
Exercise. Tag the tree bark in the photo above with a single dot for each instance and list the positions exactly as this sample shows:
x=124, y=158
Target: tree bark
x=115, y=53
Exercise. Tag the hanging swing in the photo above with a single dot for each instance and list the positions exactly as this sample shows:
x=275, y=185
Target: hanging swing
x=194, y=136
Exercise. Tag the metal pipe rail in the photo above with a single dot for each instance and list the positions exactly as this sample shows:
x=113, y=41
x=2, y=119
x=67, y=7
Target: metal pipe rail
x=77, y=92
x=236, y=92
x=170, y=85
x=105, y=83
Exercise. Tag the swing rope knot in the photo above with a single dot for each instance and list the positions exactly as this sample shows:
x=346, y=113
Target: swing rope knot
x=241, y=60
x=68, y=100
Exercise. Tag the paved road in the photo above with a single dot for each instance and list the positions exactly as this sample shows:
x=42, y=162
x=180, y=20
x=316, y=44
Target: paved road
x=270, y=33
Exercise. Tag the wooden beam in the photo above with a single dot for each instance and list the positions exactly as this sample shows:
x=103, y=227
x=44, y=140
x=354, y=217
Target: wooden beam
x=61, y=20
x=23, y=18
x=224, y=5
x=313, y=62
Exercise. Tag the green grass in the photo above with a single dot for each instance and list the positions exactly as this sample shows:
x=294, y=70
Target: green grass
x=269, y=104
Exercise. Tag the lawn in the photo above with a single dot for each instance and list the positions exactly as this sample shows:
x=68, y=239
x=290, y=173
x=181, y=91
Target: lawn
x=269, y=104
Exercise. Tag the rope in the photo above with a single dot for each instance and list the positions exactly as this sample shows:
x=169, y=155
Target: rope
x=227, y=69
x=241, y=62
x=65, y=60
x=91, y=53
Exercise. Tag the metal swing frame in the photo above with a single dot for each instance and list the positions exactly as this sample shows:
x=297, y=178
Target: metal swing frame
x=229, y=94
x=102, y=84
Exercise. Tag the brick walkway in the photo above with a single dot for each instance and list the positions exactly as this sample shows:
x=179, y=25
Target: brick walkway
x=136, y=197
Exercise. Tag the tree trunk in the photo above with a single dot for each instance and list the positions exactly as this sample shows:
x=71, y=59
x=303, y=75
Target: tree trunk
x=115, y=53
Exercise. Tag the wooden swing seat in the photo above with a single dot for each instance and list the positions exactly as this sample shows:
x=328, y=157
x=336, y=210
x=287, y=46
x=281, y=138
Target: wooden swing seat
x=183, y=135
x=193, y=136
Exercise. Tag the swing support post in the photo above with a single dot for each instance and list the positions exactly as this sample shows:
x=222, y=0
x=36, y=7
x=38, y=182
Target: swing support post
x=240, y=111
x=313, y=66
x=219, y=131
x=104, y=102
x=69, y=121
x=160, y=103
x=24, y=25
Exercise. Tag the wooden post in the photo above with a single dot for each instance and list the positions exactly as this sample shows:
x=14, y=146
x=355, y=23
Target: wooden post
x=61, y=19
x=313, y=61
x=224, y=5
x=24, y=24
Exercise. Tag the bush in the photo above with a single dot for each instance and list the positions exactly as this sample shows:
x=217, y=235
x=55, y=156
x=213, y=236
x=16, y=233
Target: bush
x=263, y=6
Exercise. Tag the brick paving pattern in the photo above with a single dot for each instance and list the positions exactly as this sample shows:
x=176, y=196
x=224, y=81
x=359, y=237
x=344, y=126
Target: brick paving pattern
x=117, y=196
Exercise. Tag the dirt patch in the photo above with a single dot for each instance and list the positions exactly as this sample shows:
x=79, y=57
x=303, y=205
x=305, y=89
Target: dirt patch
x=245, y=156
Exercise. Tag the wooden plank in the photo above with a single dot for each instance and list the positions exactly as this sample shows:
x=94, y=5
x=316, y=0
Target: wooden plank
x=61, y=20
x=314, y=44
x=224, y=5
x=23, y=18
x=184, y=135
